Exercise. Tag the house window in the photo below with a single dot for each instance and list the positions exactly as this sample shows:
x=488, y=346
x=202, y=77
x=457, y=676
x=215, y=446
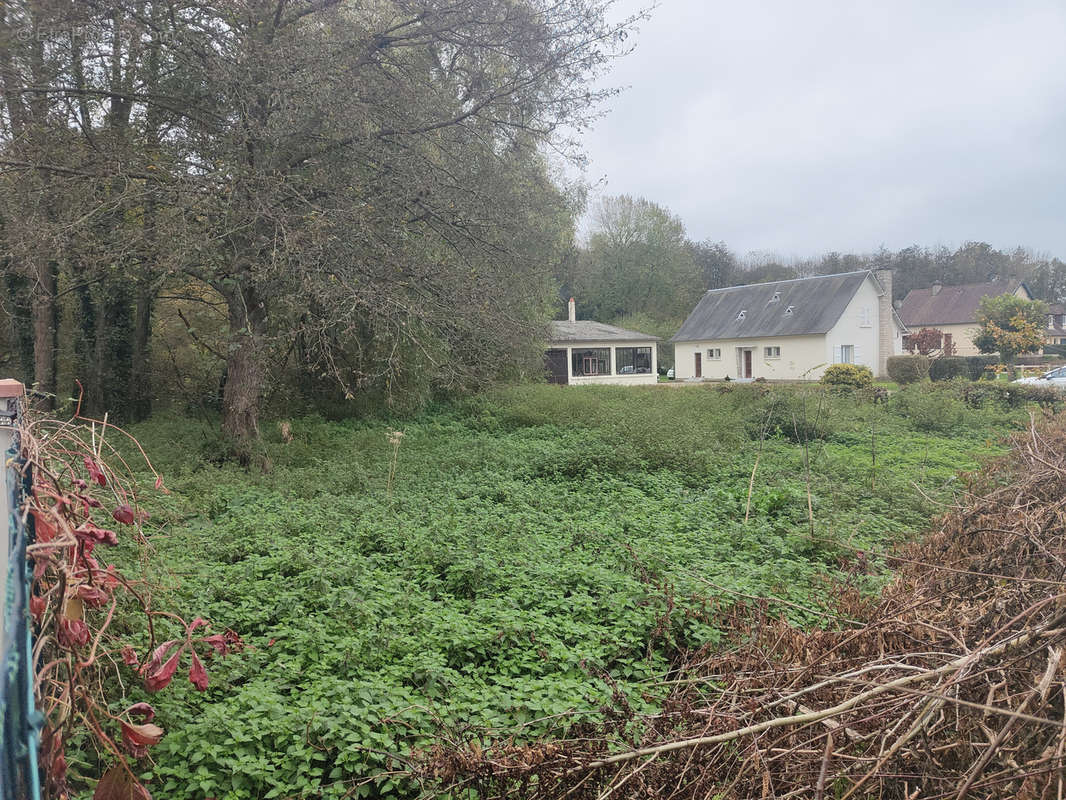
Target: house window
x=772, y=352
x=591, y=361
x=632, y=360
x=847, y=354
x=865, y=317
x=714, y=354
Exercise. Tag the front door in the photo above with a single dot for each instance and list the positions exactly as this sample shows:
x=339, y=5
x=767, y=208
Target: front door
x=747, y=363
x=699, y=365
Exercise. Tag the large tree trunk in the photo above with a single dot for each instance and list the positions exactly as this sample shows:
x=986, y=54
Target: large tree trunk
x=20, y=337
x=245, y=372
x=45, y=323
x=140, y=399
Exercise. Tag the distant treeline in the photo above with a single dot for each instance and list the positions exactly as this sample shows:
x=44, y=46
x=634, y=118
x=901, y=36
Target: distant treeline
x=639, y=266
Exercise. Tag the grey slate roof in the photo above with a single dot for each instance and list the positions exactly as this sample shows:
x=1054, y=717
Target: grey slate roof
x=585, y=330
x=816, y=303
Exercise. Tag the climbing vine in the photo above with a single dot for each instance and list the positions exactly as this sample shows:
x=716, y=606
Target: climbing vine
x=83, y=501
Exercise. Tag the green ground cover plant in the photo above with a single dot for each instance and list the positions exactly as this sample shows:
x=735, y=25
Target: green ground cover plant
x=513, y=559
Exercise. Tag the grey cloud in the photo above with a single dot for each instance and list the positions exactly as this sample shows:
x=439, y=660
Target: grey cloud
x=801, y=127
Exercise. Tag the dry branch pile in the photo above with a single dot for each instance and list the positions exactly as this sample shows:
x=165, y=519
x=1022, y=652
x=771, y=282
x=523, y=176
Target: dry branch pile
x=953, y=687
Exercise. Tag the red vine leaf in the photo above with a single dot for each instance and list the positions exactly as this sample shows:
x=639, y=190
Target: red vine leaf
x=123, y=514
x=73, y=633
x=119, y=784
x=197, y=673
x=90, y=534
x=142, y=710
x=160, y=678
x=143, y=735
x=129, y=656
x=93, y=596
x=37, y=607
x=95, y=472
x=156, y=659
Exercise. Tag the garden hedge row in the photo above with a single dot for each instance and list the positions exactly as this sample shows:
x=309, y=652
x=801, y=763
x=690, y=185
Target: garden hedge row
x=946, y=368
x=908, y=369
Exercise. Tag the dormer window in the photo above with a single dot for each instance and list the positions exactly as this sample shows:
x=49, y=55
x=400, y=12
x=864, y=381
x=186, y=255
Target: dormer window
x=789, y=310
x=743, y=313
x=776, y=298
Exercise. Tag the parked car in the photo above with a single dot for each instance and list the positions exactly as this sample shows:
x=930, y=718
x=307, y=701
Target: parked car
x=1055, y=378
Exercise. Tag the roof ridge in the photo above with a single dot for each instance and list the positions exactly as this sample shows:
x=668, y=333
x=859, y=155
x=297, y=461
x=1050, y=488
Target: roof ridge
x=791, y=280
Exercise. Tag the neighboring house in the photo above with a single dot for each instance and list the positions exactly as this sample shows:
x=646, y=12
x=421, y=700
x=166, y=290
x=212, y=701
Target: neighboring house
x=791, y=330
x=953, y=310
x=1056, y=324
x=583, y=351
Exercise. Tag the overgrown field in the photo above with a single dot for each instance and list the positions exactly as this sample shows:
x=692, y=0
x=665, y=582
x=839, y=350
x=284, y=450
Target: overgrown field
x=510, y=558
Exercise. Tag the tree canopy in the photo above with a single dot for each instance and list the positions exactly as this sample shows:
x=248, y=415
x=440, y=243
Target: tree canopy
x=1010, y=325
x=358, y=191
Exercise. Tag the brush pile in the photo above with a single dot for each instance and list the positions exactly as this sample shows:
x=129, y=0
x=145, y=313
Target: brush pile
x=951, y=685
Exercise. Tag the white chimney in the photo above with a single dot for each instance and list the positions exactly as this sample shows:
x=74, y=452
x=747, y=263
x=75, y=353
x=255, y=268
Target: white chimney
x=936, y=288
x=572, y=307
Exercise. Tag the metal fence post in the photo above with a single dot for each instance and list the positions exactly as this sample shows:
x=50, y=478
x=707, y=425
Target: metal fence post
x=19, y=735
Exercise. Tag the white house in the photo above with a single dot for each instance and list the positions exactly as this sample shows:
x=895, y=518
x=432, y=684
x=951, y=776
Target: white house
x=791, y=330
x=583, y=351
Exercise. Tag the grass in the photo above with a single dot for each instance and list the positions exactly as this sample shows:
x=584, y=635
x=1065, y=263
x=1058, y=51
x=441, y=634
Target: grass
x=511, y=554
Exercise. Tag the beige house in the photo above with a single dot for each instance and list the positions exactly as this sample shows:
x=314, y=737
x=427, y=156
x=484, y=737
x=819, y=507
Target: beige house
x=790, y=330
x=953, y=310
x=1056, y=324
x=583, y=351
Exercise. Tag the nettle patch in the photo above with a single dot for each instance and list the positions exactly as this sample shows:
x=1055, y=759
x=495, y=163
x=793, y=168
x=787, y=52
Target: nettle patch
x=514, y=563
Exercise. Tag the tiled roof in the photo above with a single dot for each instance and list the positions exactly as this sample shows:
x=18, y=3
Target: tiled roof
x=781, y=308
x=585, y=330
x=951, y=305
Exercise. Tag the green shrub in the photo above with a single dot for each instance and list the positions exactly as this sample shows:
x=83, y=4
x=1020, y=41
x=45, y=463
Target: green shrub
x=948, y=368
x=848, y=376
x=908, y=369
x=1011, y=395
x=936, y=408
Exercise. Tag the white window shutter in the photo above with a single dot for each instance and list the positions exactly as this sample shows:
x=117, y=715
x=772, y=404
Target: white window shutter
x=856, y=355
x=836, y=354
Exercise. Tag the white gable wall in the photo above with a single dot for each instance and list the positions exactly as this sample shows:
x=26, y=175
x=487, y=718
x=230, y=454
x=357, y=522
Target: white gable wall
x=857, y=327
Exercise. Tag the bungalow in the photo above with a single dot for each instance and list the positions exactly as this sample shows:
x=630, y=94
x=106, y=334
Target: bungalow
x=953, y=310
x=791, y=330
x=583, y=351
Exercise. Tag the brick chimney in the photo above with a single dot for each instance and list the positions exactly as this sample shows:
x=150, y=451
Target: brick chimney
x=886, y=328
x=572, y=308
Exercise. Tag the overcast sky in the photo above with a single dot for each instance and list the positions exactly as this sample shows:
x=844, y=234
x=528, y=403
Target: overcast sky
x=803, y=126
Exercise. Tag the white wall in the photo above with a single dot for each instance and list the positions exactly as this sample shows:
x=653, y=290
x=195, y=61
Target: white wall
x=798, y=355
x=620, y=380
x=802, y=357
x=851, y=329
